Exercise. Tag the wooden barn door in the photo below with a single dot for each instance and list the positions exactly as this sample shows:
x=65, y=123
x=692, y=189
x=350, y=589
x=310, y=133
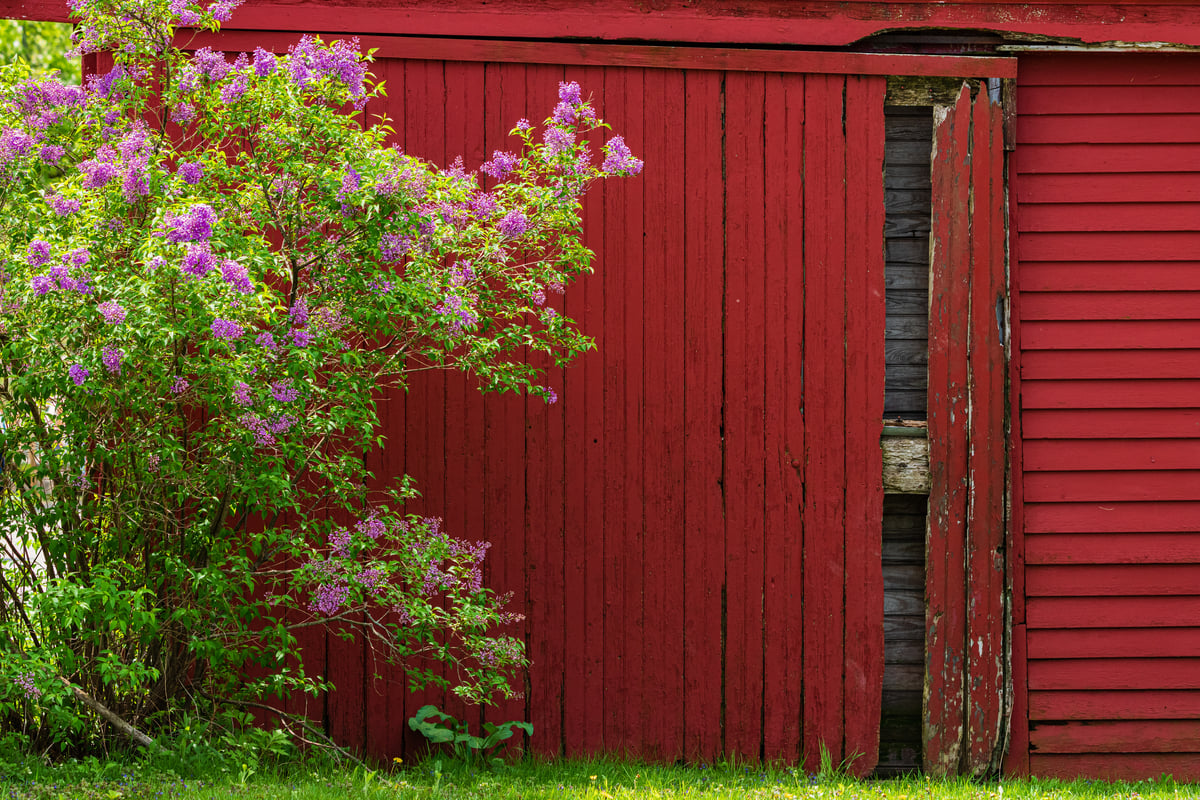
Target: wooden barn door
x=965, y=681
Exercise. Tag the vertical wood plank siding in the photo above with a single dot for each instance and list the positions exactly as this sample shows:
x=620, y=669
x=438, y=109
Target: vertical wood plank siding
x=694, y=529
x=1108, y=185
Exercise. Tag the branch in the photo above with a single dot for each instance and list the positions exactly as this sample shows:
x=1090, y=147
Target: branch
x=118, y=723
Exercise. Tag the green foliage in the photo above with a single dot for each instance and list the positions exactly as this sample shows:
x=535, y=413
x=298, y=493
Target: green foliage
x=211, y=272
x=441, y=728
x=41, y=45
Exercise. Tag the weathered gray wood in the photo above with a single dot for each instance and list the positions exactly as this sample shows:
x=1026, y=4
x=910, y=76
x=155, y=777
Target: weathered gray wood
x=905, y=465
x=906, y=326
x=898, y=676
x=907, y=351
x=906, y=251
x=907, y=377
x=909, y=177
x=903, y=576
x=902, y=702
x=896, y=552
x=913, y=223
x=905, y=602
x=901, y=628
x=907, y=301
x=904, y=651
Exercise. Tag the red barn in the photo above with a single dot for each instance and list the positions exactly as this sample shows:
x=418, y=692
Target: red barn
x=891, y=442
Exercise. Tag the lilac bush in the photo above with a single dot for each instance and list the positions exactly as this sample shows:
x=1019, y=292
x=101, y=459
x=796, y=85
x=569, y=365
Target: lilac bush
x=209, y=271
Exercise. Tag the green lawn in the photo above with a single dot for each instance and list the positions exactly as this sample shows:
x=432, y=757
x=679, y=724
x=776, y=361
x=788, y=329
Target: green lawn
x=572, y=780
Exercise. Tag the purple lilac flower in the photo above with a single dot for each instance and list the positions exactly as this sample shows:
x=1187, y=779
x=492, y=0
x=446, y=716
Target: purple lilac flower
x=112, y=311
x=227, y=329
x=111, y=357
x=14, y=143
x=460, y=316
x=63, y=206
x=182, y=14
x=155, y=263
x=550, y=395
x=618, y=160
x=78, y=374
x=211, y=63
x=258, y=426
x=310, y=61
x=299, y=312
x=282, y=424
x=372, y=579
x=501, y=164
x=236, y=276
x=101, y=86
x=266, y=340
x=514, y=224
x=183, y=114
x=152, y=462
x=180, y=386
x=558, y=141
x=79, y=257
x=372, y=527
x=570, y=93
x=99, y=173
x=222, y=10
x=52, y=153
x=301, y=337
x=241, y=394
x=264, y=62
x=199, y=260
x=564, y=114
x=42, y=284
x=284, y=392
x=339, y=542
x=38, y=253
x=26, y=684
x=539, y=297
x=523, y=125
x=393, y=246
x=190, y=172
x=462, y=274
x=329, y=597
x=233, y=91
x=194, y=226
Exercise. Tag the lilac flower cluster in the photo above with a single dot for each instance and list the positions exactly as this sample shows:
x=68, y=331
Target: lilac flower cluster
x=372, y=527
x=100, y=171
x=38, y=253
x=501, y=165
x=190, y=172
x=25, y=682
x=60, y=276
x=199, y=260
x=135, y=149
x=393, y=246
x=461, y=317
x=299, y=312
x=111, y=357
x=63, y=207
x=193, y=226
x=558, y=141
x=493, y=651
x=372, y=579
x=227, y=329
x=180, y=386
x=264, y=430
x=329, y=597
x=310, y=61
x=571, y=110
x=266, y=341
x=241, y=394
x=236, y=276
x=514, y=224
x=284, y=392
x=264, y=62
x=78, y=374
x=618, y=160
x=112, y=312
x=14, y=144
x=339, y=542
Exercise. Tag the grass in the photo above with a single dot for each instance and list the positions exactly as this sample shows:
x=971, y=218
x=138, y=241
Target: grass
x=568, y=780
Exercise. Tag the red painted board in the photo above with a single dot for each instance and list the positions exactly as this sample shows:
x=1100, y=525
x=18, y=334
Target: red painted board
x=1134, y=674
x=945, y=558
x=1016, y=758
x=1117, y=766
x=1128, y=98
x=1096, y=158
x=1112, y=454
x=984, y=647
x=865, y=315
x=1149, y=704
x=1114, y=548
x=1117, y=486
x=1109, y=69
x=1100, y=580
x=1117, y=736
x=1129, y=423
x=1111, y=334
x=745, y=347
x=1110, y=276
x=1081, y=128
x=1109, y=245
x=824, y=411
x=783, y=126
x=663, y=425
x=1131, y=187
x=1104, y=364
x=703, y=560
x=1127, y=217
x=1110, y=305
x=1076, y=394
x=1115, y=643
x=1110, y=612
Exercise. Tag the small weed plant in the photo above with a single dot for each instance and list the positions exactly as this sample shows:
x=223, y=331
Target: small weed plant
x=439, y=728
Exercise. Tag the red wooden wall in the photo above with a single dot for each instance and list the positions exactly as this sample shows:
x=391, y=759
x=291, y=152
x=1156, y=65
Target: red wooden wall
x=693, y=530
x=1107, y=180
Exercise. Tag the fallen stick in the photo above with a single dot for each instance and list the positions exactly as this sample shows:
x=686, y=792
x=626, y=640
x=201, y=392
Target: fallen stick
x=118, y=723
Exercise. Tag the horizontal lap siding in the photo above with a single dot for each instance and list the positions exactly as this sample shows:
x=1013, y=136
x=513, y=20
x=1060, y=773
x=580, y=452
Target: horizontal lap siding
x=1108, y=188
